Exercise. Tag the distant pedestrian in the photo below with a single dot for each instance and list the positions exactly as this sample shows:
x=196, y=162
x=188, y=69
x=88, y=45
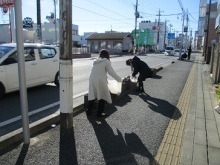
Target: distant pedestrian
x=139, y=66
x=98, y=87
x=189, y=52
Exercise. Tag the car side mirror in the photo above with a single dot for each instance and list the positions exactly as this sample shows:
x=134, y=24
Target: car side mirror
x=9, y=61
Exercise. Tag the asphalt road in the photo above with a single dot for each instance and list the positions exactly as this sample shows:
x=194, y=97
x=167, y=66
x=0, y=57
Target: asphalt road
x=44, y=100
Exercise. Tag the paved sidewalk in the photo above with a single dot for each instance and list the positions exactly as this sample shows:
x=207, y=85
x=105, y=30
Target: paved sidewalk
x=201, y=143
x=195, y=137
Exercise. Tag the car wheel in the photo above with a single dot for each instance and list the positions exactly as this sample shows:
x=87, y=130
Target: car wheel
x=57, y=79
x=2, y=90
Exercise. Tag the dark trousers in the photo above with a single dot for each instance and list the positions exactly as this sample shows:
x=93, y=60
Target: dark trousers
x=140, y=84
x=100, y=106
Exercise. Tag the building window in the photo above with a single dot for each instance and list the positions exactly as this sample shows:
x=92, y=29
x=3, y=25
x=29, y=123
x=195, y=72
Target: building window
x=75, y=32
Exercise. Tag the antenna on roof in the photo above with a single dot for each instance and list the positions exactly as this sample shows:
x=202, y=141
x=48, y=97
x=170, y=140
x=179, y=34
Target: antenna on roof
x=111, y=28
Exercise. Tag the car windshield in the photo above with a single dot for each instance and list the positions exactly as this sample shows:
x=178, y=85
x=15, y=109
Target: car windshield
x=169, y=48
x=4, y=50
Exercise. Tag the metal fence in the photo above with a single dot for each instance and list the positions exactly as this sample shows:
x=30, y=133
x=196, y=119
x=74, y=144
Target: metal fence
x=83, y=50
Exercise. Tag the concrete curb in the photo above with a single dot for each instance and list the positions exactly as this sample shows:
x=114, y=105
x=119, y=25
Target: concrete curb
x=16, y=137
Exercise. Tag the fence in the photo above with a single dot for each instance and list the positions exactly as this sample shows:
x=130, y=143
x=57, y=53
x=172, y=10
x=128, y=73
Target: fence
x=83, y=50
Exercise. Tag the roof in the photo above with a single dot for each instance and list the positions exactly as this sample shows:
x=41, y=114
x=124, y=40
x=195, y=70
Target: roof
x=108, y=36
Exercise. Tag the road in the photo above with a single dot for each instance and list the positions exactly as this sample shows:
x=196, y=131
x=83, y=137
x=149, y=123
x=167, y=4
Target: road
x=44, y=100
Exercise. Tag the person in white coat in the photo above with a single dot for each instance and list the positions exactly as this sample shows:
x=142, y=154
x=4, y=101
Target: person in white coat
x=98, y=84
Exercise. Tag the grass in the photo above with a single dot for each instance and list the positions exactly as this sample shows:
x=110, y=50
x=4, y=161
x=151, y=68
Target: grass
x=217, y=92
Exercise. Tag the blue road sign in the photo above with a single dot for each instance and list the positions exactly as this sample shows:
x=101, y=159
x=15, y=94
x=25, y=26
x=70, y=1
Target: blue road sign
x=171, y=35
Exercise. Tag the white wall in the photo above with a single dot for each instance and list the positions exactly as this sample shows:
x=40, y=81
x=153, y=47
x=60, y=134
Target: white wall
x=5, y=37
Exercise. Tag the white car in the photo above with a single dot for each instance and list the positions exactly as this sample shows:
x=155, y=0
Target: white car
x=41, y=66
x=169, y=51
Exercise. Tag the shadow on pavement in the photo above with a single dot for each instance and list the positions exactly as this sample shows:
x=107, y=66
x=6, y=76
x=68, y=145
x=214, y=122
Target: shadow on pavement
x=115, y=148
x=67, y=153
x=22, y=154
x=157, y=77
x=161, y=106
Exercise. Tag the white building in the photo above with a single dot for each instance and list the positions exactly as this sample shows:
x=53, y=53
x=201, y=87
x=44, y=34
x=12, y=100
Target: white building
x=82, y=41
x=48, y=33
x=50, y=37
x=154, y=27
x=6, y=35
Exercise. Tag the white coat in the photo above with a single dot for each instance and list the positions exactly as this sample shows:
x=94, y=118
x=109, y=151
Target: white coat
x=98, y=87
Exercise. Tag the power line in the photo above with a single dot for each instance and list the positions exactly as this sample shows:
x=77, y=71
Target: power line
x=193, y=17
x=98, y=14
x=106, y=9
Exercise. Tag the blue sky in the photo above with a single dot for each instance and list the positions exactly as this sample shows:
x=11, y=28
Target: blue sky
x=118, y=15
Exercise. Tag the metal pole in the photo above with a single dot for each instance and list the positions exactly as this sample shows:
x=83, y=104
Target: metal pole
x=21, y=71
x=164, y=41
x=180, y=54
x=66, y=70
x=158, y=31
x=12, y=24
x=39, y=32
x=55, y=21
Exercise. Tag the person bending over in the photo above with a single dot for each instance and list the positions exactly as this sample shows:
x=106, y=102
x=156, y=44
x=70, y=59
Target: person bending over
x=139, y=66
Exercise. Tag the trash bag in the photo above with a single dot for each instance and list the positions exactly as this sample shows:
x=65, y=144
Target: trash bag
x=114, y=87
x=184, y=55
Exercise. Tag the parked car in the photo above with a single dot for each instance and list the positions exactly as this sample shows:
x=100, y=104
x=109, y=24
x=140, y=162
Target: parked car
x=178, y=50
x=169, y=51
x=41, y=66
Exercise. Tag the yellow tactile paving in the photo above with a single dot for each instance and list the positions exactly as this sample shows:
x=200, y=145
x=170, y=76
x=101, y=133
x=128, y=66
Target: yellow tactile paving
x=170, y=148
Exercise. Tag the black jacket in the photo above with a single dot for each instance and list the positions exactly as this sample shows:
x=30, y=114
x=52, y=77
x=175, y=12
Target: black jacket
x=142, y=68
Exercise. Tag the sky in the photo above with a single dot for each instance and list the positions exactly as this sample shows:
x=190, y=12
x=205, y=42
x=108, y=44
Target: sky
x=117, y=15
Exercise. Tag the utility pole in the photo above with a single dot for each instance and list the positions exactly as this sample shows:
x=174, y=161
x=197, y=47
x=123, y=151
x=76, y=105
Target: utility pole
x=135, y=29
x=207, y=31
x=180, y=53
x=66, y=70
x=158, y=30
x=187, y=25
x=165, y=31
x=190, y=40
x=39, y=32
x=55, y=20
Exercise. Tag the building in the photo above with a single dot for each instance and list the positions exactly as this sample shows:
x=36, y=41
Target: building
x=144, y=39
x=6, y=34
x=48, y=33
x=114, y=42
x=50, y=37
x=83, y=41
x=161, y=30
x=210, y=32
x=201, y=24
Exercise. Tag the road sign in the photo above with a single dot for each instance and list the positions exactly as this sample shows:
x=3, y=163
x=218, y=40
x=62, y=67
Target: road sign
x=171, y=35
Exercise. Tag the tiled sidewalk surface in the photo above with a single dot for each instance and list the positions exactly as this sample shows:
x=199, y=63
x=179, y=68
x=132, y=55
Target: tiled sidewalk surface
x=195, y=137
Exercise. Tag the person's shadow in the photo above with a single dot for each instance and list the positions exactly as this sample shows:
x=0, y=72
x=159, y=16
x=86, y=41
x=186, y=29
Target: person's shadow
x=161, y=106
x=157, y=77
x=115, y=148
